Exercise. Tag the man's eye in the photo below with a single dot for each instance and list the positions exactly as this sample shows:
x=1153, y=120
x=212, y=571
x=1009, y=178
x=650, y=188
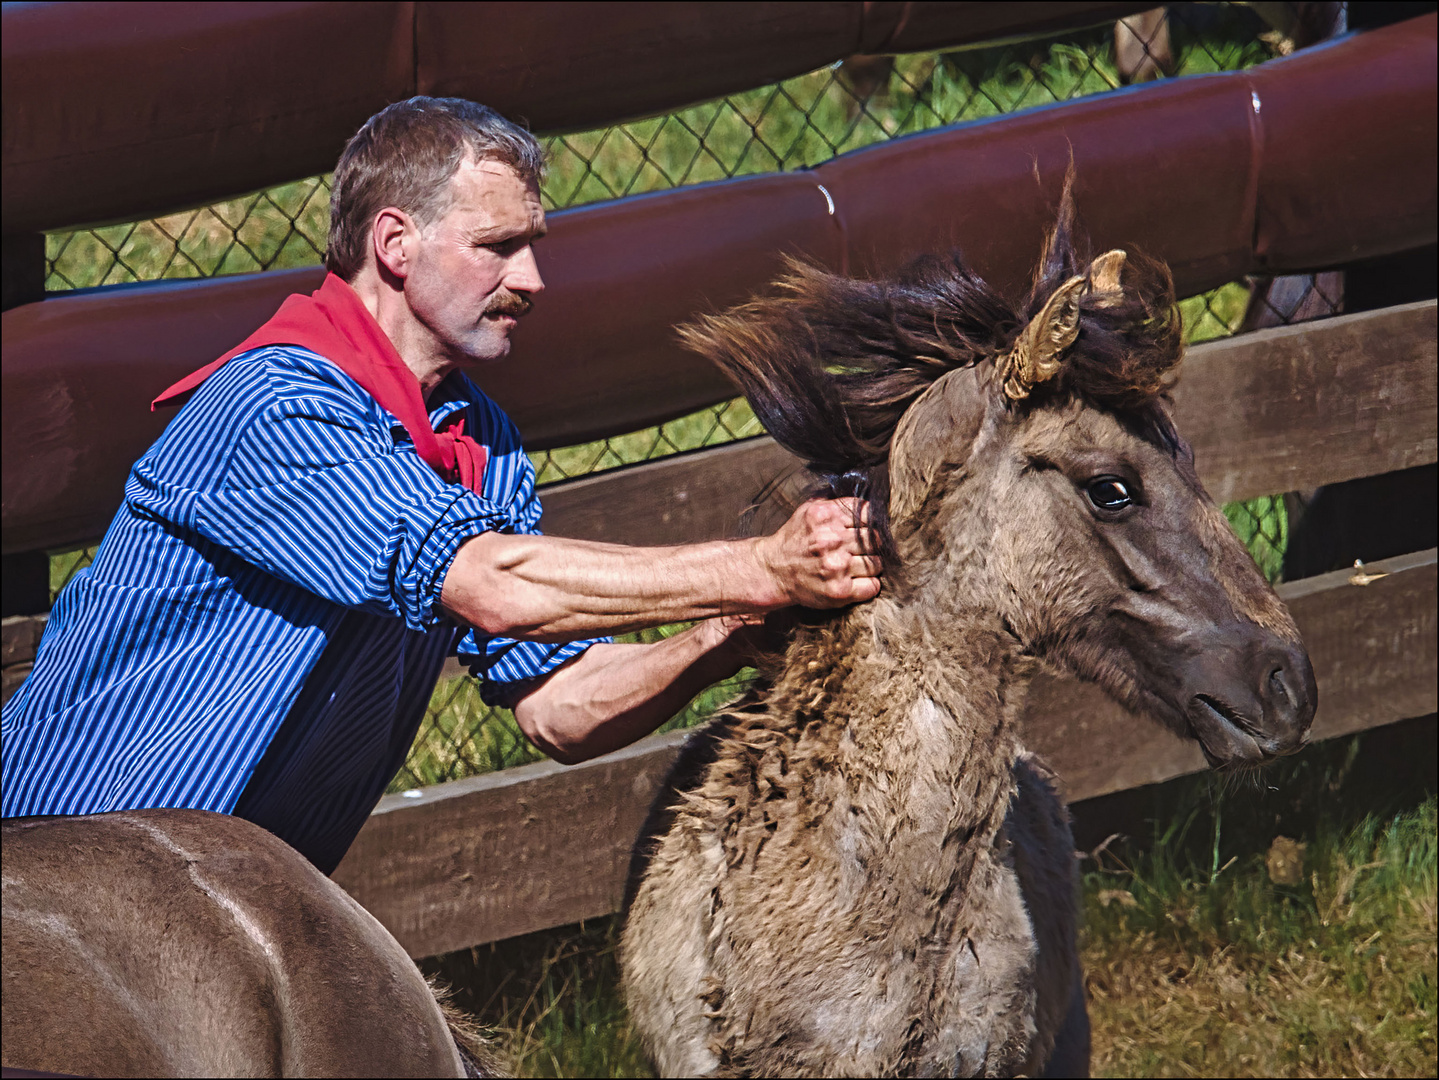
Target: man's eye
x=1109, y=493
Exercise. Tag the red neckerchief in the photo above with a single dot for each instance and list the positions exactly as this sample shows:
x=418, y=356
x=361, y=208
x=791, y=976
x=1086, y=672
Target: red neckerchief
x=334, y=322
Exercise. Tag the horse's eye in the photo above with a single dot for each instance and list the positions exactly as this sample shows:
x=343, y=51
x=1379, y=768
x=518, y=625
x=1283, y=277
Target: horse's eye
x=1109, y=493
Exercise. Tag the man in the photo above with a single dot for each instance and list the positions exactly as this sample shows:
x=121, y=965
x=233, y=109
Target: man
x=338, y=506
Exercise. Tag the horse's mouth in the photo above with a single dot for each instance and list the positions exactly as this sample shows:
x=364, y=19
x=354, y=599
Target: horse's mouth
x=1225, y=735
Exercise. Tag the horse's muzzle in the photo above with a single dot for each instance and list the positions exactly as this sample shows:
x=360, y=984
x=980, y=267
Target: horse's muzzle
x=1256, y=707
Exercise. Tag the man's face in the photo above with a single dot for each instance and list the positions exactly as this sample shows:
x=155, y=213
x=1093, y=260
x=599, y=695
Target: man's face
x=474, y=270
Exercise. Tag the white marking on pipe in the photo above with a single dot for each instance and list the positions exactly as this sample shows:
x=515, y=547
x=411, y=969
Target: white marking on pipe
x=1254, y=100
x=830, y=202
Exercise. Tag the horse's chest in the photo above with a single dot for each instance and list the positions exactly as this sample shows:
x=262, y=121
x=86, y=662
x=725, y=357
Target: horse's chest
x=885, y=975
x=983, y=1006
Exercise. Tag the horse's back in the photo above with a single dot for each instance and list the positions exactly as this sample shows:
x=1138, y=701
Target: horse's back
x=178, y=942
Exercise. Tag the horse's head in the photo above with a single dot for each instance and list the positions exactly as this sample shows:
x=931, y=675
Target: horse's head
x=1097, y=542
x=1025, y=461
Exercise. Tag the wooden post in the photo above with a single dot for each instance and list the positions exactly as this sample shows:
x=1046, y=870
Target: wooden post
x=26, y=584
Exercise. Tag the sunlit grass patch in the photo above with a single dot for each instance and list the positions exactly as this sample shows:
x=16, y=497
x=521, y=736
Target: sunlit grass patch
x=276, y=229
x=1215, y=314
x=552, y=1001
x=711, y=426
x=1263, y=525
x=64, y=565
x=1228, y=973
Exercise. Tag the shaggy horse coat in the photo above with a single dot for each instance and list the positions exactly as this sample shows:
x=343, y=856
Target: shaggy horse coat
x=857, y=869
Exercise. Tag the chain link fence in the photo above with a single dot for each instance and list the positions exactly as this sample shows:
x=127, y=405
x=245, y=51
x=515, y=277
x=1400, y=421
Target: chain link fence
x=799, y=122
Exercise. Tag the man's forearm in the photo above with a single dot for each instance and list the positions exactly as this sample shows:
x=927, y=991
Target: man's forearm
x=614, y=694
x=543, y=588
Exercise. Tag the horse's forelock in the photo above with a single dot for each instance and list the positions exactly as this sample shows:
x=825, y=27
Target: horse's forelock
x=831, y=364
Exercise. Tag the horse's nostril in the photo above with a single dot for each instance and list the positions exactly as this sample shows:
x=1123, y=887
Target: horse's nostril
x=1288, y=689
x=1281, y=686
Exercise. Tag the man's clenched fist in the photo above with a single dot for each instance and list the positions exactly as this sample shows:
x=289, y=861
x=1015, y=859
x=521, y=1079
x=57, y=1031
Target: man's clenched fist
x=823, y=556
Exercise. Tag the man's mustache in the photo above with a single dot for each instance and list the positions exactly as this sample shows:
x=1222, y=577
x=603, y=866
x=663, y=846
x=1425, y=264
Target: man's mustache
x=509, y=303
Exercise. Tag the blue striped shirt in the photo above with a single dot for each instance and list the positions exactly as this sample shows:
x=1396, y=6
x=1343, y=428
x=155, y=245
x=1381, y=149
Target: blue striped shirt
x=260, y=630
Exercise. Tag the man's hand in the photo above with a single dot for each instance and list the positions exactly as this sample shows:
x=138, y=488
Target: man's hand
x=612, y=694
x=823, y=556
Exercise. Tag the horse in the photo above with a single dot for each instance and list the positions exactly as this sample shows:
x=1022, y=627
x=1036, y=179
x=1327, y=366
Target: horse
x=856, y=869
x=185, y=943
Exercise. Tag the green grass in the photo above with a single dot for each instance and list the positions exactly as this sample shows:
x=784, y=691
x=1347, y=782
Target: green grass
x=1230, y=974
x=275, y=229
x=551, y=1001
x=1263, y=525
x=1196, y=962
x=713, y=426
x=1215, y=314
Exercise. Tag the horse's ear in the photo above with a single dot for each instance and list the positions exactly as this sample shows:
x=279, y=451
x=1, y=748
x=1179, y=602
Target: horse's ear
x=1038, y=352
x=1105, y=271
x=938, y=430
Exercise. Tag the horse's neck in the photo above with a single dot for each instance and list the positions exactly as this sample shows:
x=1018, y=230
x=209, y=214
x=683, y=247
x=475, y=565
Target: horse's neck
x=921, y=719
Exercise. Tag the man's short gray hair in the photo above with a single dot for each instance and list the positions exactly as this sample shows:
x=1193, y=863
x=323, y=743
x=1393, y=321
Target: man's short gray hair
x=404, y=156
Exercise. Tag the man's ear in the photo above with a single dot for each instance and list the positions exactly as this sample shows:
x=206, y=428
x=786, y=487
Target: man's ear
x=390, y=233
x=938, y=430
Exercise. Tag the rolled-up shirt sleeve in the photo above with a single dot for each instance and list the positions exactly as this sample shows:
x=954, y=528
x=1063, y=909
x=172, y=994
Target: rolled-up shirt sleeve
x=316, y=492
x=506, y=667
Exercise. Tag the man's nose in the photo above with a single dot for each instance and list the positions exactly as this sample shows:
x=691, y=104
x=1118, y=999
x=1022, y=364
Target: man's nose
x=522, y=275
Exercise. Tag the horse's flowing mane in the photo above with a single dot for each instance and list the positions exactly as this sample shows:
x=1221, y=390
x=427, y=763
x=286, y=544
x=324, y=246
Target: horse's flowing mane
x=830, y=364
